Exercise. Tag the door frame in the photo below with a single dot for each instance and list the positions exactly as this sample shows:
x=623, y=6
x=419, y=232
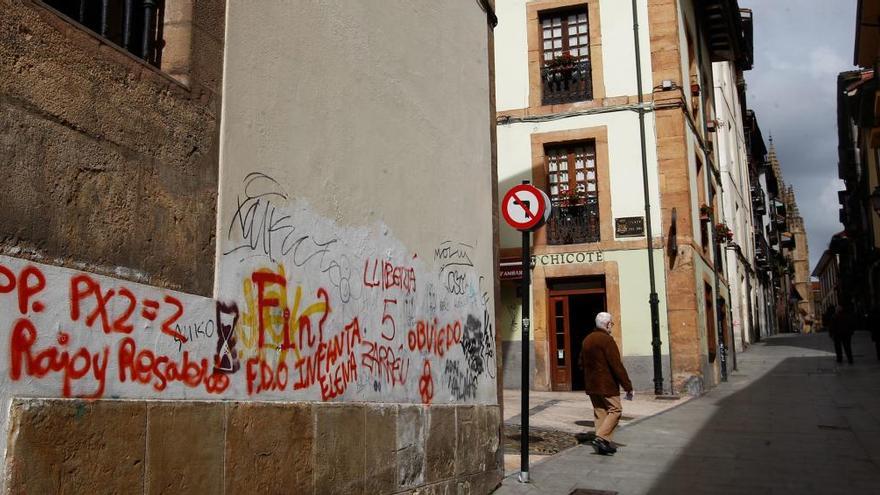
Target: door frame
x=551, y=313
x=554, y=367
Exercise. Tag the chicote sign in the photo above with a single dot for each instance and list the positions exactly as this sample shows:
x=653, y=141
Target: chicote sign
x=568, y=258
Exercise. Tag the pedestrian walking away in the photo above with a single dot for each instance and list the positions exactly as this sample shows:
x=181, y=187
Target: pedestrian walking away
x=841, y=332
x=604, y=375
x=874, y=327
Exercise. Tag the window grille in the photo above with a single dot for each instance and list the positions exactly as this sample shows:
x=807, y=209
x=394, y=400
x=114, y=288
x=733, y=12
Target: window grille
x=134, y=25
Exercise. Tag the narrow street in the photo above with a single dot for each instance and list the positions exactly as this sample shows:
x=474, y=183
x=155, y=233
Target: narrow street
x=790, y=420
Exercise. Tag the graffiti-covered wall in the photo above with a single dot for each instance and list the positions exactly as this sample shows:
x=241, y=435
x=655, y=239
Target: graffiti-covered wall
x=355, y=231
x=331, y=312
x=348, y=343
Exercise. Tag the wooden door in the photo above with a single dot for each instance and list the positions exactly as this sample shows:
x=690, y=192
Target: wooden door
x=560, y=357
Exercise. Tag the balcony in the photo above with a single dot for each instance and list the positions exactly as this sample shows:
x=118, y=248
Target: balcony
x=566, y=81
x=573, y=223
x=761, y=249
x=779, y=221
x=760, y=208
x=779, y=207
x=758, y=203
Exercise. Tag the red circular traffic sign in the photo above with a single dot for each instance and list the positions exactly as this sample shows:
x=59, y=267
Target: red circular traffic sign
x=524, y=207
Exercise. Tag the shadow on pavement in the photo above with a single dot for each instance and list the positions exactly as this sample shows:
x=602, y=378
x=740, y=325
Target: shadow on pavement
x=806, y=426
x=817, y=342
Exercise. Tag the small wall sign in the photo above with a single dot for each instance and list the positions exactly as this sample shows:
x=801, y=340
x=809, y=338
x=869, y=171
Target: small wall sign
x=510, y=269
x=629, y=226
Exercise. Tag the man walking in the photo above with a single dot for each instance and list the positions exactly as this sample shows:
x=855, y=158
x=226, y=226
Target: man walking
x=874, y=327
x=841, y=332
x=604, y=375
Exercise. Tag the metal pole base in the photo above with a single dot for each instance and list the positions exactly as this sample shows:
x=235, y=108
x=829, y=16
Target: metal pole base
x=523, y=477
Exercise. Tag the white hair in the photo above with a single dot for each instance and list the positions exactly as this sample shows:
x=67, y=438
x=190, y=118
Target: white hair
x=602, y=320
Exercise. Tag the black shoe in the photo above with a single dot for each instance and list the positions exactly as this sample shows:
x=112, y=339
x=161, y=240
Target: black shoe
x=609, y=446
x=602, y=447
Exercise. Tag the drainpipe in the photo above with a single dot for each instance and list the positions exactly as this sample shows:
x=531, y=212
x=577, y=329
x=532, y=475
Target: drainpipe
x=653, y=300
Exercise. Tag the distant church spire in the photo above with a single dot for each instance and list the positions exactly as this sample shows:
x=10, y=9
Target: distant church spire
x=774, y=162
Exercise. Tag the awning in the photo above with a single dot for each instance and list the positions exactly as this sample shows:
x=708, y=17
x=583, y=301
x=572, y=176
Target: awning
x=510, y=269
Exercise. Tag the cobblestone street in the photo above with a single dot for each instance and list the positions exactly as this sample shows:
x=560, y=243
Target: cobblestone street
x=791, y=420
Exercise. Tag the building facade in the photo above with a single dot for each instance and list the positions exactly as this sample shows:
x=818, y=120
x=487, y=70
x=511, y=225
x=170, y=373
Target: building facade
x=828, y=272
x=858, y=246
x=230, y=262
x=738, y=174
x=569, y=122
x=762, y=185
x=784, y=229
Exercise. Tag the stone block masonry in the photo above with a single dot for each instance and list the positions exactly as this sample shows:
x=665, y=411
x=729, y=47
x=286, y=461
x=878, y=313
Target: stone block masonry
x=234, y=447
x=107, y=162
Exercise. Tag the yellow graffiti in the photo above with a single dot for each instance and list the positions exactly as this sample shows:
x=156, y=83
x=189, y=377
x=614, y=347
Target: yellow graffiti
x=280, y=321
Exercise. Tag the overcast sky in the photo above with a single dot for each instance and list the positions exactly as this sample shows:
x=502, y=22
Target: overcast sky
x=800, y=47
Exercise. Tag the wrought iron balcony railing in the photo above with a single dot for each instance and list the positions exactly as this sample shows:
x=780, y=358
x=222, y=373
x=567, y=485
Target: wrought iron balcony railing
x=567, y=83
x=758, y=204
x=573, y=223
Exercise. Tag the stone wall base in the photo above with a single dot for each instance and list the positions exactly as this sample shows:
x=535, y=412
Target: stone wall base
x=121, y=446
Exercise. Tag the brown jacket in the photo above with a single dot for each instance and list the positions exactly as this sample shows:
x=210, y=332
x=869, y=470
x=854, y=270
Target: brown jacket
x=604, y=373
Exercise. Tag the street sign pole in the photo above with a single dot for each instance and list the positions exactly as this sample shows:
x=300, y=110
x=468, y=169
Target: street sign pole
x=525, y=208
x=526, y=323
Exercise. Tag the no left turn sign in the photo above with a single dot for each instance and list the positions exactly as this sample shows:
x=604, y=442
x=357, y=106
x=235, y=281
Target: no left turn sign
x=525, y=207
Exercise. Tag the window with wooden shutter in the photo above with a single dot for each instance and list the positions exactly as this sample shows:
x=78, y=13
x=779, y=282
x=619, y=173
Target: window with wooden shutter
x=573, y=184
x=566, y=73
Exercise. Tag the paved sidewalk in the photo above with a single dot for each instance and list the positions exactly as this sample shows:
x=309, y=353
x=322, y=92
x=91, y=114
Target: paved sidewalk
x=791, y=420
x=571, y=415
x=572, y=412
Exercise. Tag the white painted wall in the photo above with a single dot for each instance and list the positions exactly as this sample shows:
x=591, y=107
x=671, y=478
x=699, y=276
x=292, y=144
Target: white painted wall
x=635, y=322
x=511, y=55
x=618, y=51
x=618, y=48
x=356, y=149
